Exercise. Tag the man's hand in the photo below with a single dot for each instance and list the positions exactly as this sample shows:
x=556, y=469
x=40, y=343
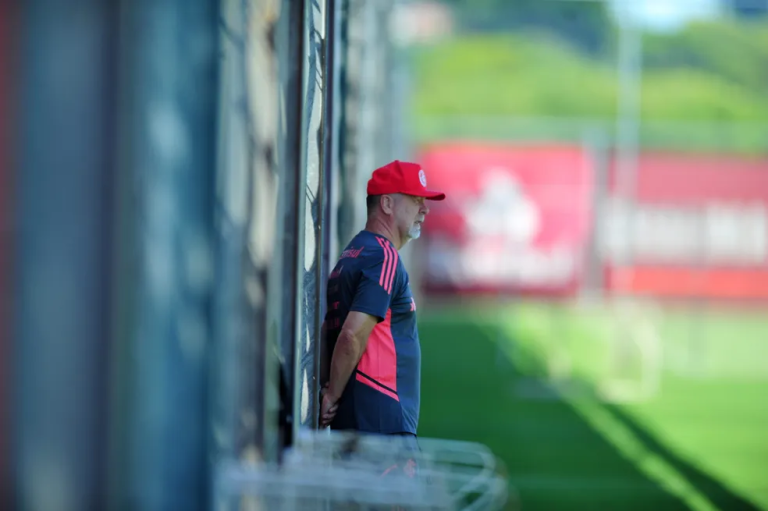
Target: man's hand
x=328, y=408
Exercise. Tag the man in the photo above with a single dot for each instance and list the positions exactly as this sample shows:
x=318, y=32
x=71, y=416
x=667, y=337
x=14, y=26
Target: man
x=374, y=372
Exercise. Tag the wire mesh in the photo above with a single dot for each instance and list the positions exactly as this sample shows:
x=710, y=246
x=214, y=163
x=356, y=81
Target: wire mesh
x=345, y=471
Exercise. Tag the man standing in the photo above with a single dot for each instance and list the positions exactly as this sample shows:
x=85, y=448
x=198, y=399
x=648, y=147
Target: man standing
x=373, y=380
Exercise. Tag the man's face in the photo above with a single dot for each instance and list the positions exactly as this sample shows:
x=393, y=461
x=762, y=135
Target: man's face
x=410, y=213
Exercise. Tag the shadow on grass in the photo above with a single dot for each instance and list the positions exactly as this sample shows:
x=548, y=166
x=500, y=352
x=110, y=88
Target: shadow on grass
x=711, y=488
x=470, y=391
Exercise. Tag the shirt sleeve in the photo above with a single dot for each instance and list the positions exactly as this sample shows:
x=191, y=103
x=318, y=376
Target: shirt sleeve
x=375, y=287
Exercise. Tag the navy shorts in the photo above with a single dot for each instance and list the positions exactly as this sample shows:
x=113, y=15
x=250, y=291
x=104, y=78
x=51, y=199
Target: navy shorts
x=408, y=465
x=410, y=441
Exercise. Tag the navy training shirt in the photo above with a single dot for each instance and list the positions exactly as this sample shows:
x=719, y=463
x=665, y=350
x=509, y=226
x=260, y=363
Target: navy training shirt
x=382, y=395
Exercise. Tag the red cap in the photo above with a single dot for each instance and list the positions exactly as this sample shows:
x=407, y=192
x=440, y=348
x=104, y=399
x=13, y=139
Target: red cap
x=402, y=177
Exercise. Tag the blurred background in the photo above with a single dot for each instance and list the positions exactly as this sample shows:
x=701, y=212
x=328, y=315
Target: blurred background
x=177, y=177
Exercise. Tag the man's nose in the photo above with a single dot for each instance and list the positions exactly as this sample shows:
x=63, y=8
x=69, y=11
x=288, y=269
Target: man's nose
x=424, y=209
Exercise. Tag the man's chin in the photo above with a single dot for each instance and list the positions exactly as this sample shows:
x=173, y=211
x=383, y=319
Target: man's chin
x=414, y=234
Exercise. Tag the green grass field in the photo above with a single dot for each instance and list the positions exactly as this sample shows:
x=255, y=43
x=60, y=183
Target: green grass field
x=596, y=407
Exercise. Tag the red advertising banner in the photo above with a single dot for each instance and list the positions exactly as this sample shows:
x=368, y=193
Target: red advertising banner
x=517, y=219
x=698, y=228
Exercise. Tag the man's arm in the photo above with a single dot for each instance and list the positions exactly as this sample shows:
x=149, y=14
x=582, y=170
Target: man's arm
x=350, y=346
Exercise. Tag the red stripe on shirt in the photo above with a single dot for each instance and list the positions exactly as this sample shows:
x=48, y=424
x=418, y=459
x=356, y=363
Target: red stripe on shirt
x=362, y=379
x=379, y=361
x=384, y=266
x=393, y=264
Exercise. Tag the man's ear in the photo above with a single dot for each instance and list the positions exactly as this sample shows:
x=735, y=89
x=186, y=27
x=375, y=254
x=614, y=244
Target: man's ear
x=388, y=204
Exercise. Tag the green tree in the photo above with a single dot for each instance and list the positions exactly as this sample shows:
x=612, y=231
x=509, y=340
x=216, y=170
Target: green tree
x=736, y=53
x=585, y=24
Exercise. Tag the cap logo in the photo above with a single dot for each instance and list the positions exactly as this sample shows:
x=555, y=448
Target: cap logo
x=423, y=178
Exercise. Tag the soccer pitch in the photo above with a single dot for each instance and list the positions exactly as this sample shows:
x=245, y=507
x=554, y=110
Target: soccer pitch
x=624, y=406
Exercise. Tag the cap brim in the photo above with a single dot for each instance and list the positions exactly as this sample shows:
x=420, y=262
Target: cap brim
x=432, y=195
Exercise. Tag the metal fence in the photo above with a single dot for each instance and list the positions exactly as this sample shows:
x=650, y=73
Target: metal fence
x=183, y=175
